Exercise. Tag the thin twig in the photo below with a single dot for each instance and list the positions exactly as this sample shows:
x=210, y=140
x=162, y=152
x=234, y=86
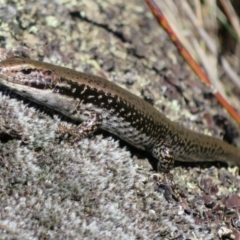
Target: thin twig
x=232, y=16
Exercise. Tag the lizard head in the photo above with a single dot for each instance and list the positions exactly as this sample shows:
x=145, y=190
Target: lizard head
x=24, y=71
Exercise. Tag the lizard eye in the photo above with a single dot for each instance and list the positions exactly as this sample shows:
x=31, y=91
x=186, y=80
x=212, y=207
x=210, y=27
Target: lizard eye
x=26, y=71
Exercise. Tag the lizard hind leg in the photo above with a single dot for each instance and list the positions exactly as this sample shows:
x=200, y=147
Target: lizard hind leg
x=163, y=151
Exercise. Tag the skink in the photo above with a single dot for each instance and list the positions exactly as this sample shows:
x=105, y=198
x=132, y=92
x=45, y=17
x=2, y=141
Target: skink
x=99, y=103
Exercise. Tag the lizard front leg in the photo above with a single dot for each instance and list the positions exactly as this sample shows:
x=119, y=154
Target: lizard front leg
x=86, y=128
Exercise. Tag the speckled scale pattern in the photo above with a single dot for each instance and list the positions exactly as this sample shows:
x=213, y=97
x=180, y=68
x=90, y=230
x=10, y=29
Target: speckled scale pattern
x=119, y=116
x=97, y=102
